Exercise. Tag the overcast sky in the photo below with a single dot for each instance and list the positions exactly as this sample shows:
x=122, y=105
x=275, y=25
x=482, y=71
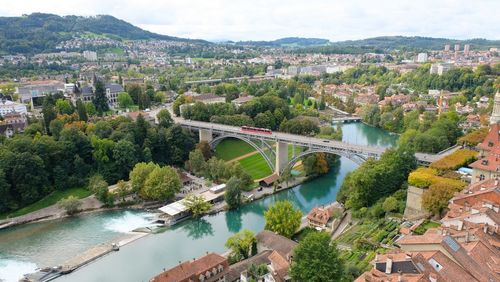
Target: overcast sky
x=271, y=19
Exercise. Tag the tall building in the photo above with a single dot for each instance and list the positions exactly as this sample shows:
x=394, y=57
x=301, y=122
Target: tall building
x=466, y=49
x=422, y=57
x=457, y=47
x=495, y=114
x=447, y=48
x=90, y=55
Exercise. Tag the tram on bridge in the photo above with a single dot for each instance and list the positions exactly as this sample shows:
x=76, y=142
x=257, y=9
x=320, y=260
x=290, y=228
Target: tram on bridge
x=256, y=130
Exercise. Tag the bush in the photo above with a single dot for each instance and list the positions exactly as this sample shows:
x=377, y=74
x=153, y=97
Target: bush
x=70, y=204
x=455, y=160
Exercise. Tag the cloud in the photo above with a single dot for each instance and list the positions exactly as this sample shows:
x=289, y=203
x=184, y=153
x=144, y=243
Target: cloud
x=271, y=19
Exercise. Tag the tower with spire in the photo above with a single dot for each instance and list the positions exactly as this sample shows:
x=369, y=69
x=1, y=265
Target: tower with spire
x=495, y=114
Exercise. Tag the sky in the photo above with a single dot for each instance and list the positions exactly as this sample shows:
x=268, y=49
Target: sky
x=335, y=20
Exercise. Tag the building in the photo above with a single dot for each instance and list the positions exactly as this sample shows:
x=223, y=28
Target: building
x=39, y=88
x=208, y=98
x=242, y=100
x=209, y=268
x=466, y=49
x=7, y=107
x=422, y=57
x=395, y=100
x=478, y=206
x=495, y=114
x=12, y=123
x=447, y=48
x=366, y=99
x=112, y=91
x=274, y=252
x=440, y=68
x=90, y=55
x=457, y=47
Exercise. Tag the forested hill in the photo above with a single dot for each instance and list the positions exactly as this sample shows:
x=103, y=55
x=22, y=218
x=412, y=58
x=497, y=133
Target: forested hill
x=41, y=32
x=415, y=42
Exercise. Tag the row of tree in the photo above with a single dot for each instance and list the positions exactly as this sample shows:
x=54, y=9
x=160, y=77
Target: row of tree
x=65, y=155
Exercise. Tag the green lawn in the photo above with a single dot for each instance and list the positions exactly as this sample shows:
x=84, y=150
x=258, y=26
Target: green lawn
x=256, y=166
x=231, y=148
x=426, y=225
x=49, y=200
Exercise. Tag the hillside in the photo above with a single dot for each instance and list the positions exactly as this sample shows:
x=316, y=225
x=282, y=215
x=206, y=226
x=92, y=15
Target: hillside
x=287, y=42
x=41, y=32
x=415, y=42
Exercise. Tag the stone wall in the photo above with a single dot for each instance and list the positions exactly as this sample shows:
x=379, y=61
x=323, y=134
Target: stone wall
x=414, y=209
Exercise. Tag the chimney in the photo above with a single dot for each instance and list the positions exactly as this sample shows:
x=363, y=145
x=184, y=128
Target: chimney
x=388, y=266
x=467, y=236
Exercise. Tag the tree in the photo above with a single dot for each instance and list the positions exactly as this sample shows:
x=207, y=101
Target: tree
x=100, y=101
x=124, y=100
x=70, y=204
x=124, y=156
x=49, y=112
x=122, y=189
x=315, y=259
x=82, y=111
x=99, y=187
x=197, y=162
x=161, y=184
x=196, y=204
x=90, y=108
x=205, y=149
x=56, y=126
x=139, y=174
x=232, y=196
x=64, y=107
x=164, y=118
x=435, y=199
x=283, y=218
x=241, y=244
x=390, y=204
x=144, y=101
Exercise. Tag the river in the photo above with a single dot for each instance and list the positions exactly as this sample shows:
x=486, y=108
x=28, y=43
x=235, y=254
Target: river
x=50, y=243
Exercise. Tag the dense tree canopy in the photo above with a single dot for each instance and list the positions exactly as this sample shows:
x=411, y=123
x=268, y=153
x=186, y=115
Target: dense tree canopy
x=283, y=218
x=316, y=259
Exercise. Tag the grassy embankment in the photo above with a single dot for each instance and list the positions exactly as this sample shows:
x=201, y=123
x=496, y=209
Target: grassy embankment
x=49, y=200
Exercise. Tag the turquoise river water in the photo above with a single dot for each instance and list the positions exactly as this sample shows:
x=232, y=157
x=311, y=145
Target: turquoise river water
x=24, y=248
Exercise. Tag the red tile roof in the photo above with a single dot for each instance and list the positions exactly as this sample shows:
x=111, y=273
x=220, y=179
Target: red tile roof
x=191, y=270
x=492, y=139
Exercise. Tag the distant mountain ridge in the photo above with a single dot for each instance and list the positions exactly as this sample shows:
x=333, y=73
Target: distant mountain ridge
x=380, y=43
x=415, y=42
x=40, y=32
x=287, y=42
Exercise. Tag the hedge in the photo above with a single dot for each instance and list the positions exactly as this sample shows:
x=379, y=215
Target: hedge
x=425, y=177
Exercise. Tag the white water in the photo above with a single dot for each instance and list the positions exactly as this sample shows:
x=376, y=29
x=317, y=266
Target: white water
x=13, y=270
x=129, y=221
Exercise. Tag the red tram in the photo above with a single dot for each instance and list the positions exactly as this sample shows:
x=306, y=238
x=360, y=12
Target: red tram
x=256, y=130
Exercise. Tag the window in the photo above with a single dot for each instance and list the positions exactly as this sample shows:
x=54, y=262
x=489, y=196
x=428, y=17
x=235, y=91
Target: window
x=202, y=277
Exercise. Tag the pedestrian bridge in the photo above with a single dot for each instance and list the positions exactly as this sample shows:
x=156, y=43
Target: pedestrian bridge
x=275, y=147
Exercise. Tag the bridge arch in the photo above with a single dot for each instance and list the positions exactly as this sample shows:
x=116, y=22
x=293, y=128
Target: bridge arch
x=217, y=140
x=358, y=159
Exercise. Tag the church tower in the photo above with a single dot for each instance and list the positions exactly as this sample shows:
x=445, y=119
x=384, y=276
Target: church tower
x=495, y=115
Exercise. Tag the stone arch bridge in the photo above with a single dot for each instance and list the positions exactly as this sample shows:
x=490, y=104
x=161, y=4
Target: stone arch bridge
x=274, y=147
